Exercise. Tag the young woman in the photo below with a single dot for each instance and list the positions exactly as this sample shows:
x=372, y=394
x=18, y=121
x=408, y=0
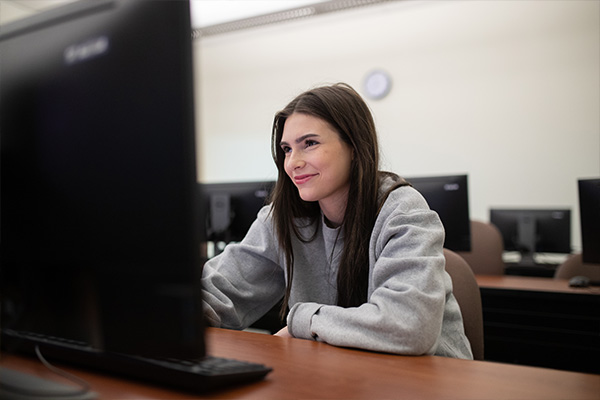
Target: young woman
x=356, y=253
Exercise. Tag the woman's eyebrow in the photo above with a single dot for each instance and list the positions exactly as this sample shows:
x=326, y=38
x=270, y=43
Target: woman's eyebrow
x=300, y=139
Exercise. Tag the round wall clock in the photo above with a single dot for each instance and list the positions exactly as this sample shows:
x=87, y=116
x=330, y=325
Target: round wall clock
x=377, y=84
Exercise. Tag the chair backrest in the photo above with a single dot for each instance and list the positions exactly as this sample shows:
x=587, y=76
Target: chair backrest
x=466, y=292
x=574, y=266
x=487, y=246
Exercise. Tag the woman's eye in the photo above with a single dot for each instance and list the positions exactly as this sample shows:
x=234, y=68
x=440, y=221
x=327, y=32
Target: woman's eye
x=311, y=143
x=286, y=149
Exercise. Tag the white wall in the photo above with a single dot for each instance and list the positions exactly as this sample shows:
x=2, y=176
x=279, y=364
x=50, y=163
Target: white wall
x=506, y=91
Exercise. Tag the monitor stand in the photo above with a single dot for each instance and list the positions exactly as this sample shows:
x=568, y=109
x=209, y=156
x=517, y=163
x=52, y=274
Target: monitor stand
x=526, y=239
x=527, y=260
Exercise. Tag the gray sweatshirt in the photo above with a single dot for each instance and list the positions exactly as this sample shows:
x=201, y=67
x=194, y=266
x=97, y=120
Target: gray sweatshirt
x=410, y=309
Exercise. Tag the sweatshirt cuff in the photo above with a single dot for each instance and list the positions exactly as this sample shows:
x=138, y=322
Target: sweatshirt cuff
x=299, y=320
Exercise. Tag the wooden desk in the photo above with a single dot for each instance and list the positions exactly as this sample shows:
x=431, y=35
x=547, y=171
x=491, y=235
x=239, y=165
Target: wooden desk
x=536, y=284
x=541, y=322
x=306, y=369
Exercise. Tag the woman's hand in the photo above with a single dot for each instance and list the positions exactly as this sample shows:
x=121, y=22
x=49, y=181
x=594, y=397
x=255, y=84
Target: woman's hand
x=283, y=332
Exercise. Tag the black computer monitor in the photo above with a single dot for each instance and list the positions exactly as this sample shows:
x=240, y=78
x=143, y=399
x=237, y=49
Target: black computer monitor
x=531, y=231
x=99, y=236
x=589, y=208
x=228, y=209
x=448, y=195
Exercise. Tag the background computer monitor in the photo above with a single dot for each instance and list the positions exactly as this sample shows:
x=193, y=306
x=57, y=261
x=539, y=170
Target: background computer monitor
x=227, y=210
x=589, y=208
x=531, y=231
x=449, y=197
x=99, y=236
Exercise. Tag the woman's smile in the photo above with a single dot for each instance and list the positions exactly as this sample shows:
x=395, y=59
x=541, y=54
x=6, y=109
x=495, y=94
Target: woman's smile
x=302, y=179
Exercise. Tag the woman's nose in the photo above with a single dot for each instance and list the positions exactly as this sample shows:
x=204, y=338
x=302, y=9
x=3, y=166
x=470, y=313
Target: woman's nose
x=295, y=160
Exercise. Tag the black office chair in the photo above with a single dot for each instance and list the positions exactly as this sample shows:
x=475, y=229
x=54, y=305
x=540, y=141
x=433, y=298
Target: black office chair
x=466, y=291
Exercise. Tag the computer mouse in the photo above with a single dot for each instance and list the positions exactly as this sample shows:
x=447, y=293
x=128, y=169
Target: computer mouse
x=579, y=281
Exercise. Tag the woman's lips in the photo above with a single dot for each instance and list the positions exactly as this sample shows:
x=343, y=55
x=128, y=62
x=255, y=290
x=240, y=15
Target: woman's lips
x=300, y=179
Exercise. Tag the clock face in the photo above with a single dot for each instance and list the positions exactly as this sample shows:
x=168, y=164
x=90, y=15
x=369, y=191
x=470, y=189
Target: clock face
x=377, y=84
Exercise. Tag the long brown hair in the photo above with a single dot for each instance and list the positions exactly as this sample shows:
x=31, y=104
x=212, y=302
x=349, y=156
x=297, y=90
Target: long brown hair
x=344, y=109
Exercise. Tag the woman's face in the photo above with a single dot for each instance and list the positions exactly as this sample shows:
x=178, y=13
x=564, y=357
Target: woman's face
x=318, y=161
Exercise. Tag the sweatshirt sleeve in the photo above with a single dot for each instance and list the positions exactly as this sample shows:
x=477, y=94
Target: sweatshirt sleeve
x=407, y=287
x=245, y=281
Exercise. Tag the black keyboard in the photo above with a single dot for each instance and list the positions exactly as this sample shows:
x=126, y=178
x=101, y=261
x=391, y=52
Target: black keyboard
x=208, y=366
x=198, y=375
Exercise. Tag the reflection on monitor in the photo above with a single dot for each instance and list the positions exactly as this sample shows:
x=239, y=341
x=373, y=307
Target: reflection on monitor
x=531, y=231
x=228, y=209
x=98, y=174
x=589, y=208
x=449, y=197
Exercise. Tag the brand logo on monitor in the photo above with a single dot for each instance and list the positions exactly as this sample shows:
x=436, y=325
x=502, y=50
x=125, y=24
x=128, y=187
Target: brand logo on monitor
x=262, y=193
x=451, y=187
x=87, y=50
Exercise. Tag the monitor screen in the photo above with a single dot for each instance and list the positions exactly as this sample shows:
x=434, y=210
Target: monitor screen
x=531, y=231
x=228, y=209
x=449, y=197
x=589, y=208
x=98, y=177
